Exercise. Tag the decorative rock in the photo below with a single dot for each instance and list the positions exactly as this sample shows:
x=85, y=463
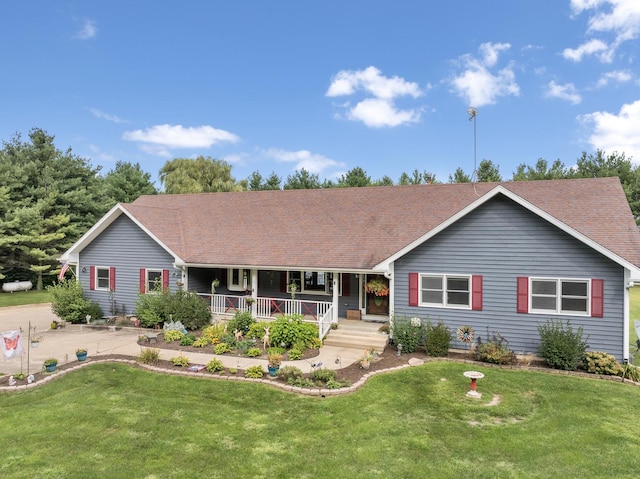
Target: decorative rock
x=416, y=362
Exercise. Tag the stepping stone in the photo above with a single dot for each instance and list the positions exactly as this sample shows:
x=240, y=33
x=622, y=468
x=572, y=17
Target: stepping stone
x=416, y=362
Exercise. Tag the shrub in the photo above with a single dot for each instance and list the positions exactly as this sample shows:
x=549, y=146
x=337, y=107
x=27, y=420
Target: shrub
x=256, y=330
x=598, y=362
x=338, y=383
x=242, y=321
x=295, y=354
x=213, y=332
x=289, y=373
x=322, y=374
x=221, y=348
x=254, y=372
x=629, y=371
x=69, y=302
x=187, y=340
x=254, y=352
x=215, y=365
x=150, y=309
x=560, y=346
x=495, y=352
x=172, y=335
x=289, y=330
x=438, y=339
x=149, y=356
x=201, y=342
x=188, y=308
x=407, y=333
x=180, y=360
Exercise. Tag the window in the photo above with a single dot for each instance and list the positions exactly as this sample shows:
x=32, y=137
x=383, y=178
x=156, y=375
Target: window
x=238, y=279
x=102, y=278
x=557, y=295
x=446, y=291
x=312, y=282
x=154, y=280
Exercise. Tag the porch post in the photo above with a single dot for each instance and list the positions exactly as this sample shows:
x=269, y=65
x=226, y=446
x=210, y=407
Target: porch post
x=254, y=292
x=336, y=297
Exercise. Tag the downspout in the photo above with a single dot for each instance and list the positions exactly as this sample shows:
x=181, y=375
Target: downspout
x=389, y=275
x=254, y=292
x=626, y=303
x=336, y=298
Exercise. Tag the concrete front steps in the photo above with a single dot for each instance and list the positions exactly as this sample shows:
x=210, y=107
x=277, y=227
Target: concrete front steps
x=357, y=334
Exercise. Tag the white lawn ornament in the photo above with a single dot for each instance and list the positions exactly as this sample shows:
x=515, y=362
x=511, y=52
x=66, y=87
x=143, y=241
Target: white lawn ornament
x=12, y=381
x=266, y=340
x=31, y=378
x=238, y=335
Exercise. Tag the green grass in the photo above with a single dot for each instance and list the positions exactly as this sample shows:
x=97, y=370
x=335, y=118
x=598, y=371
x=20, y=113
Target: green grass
x=20, y=298
x=119, y=422
x=634, y=313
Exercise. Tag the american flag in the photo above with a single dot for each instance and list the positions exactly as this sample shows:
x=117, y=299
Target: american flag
x=63, y=270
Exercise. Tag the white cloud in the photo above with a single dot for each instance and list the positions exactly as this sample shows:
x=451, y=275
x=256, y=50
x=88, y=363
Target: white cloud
x=478, y=84
x=616, y=133
x=380, y=110
x=159, y=139
x=564, y=92
x=311, y=162
x=87, y=30
x=619, y=76
x=105, y=116
x=620, y=18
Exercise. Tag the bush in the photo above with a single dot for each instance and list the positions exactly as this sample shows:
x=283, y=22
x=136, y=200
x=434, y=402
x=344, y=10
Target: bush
x=201, y=342
x=188, y=340
x=215, y=365
x=256, y=330
x=438, y=339
x=150, y=309
x=254, y=372
x=322, y=374
x=149, y=356
x=213, y=332
x=172, y=335
x=407, y=333
x=69, y=302
x=180, y=360
x=164, y=306
x=254, y=352
x=221, y=348
x=495, y=352
x=289, y=373
x=598, y=362
x=242, y=321
x=295, y=354
x=560, y=346
x=289, y=330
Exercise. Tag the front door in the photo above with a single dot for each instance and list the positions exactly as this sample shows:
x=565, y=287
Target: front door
x=376, y=295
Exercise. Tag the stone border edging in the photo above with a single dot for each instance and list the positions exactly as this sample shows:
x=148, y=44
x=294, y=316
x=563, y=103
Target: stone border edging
x=320, y=392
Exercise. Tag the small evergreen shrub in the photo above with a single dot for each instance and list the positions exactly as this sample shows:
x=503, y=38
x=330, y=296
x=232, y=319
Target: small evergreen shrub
x=598, y=362
x=438, y=339
x=188, y=308
x=254, y=372
x=214, y=365
x=289, y=373
x=406, y=332
x=560, y=346
x=149, y=356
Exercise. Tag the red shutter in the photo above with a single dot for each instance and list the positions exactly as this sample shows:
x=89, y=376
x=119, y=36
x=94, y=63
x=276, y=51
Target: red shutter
x=476, y=293
x=346, y=284
x=413, y=289
x=92, y=277
x=143, y=280
x=523, y=294
x=597, y=298
x=112, y=278
x=165, y=279
x=283, y=281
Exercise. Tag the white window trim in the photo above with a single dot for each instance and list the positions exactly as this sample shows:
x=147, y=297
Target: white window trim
x=327, y=283
x=96, y=282
x=243, y=278
x=444, y=304
x=150, y=285
x=558, y=310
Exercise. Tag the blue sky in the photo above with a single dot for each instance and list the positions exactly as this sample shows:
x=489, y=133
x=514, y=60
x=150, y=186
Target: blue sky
x=327, y=86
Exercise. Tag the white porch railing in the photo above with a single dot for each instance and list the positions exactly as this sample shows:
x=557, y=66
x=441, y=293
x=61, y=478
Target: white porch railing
x=321, y=312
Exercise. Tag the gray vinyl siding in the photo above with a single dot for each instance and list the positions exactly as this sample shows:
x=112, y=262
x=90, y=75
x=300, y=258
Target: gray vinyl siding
x=126, y=247
x=500, y=241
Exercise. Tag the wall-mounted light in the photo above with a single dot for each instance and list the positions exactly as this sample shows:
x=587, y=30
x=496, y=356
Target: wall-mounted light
x=84, y=269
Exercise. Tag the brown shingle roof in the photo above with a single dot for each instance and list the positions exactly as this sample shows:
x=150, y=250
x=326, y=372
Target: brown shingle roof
x=357, y=228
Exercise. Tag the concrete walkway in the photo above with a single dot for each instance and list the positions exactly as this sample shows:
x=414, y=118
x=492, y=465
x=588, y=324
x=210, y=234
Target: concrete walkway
x=62, y=344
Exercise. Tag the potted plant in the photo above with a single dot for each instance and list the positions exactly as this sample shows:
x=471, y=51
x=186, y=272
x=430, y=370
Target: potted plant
x=377, y=286
x=50, y=365
x=249, y=300
x=273, y=362
x=35, y=341
x=81, y=354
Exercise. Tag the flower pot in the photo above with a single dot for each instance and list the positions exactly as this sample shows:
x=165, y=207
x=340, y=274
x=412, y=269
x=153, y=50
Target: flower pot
x=81, y=356
x=35, y=344
x=273, y=370
x=50, y=367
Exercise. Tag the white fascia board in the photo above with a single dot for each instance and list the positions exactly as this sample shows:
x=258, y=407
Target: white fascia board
x=180, y=264
x=529, y=206
x=104, y=222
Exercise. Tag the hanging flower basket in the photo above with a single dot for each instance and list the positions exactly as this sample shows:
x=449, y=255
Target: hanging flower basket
x=377, y=286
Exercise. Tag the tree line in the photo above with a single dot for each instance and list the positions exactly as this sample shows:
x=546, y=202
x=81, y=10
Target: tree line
x=49, y=198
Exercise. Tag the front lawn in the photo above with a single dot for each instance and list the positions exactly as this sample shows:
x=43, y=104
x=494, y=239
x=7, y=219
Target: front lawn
x=115, y=421
x=20, y=298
